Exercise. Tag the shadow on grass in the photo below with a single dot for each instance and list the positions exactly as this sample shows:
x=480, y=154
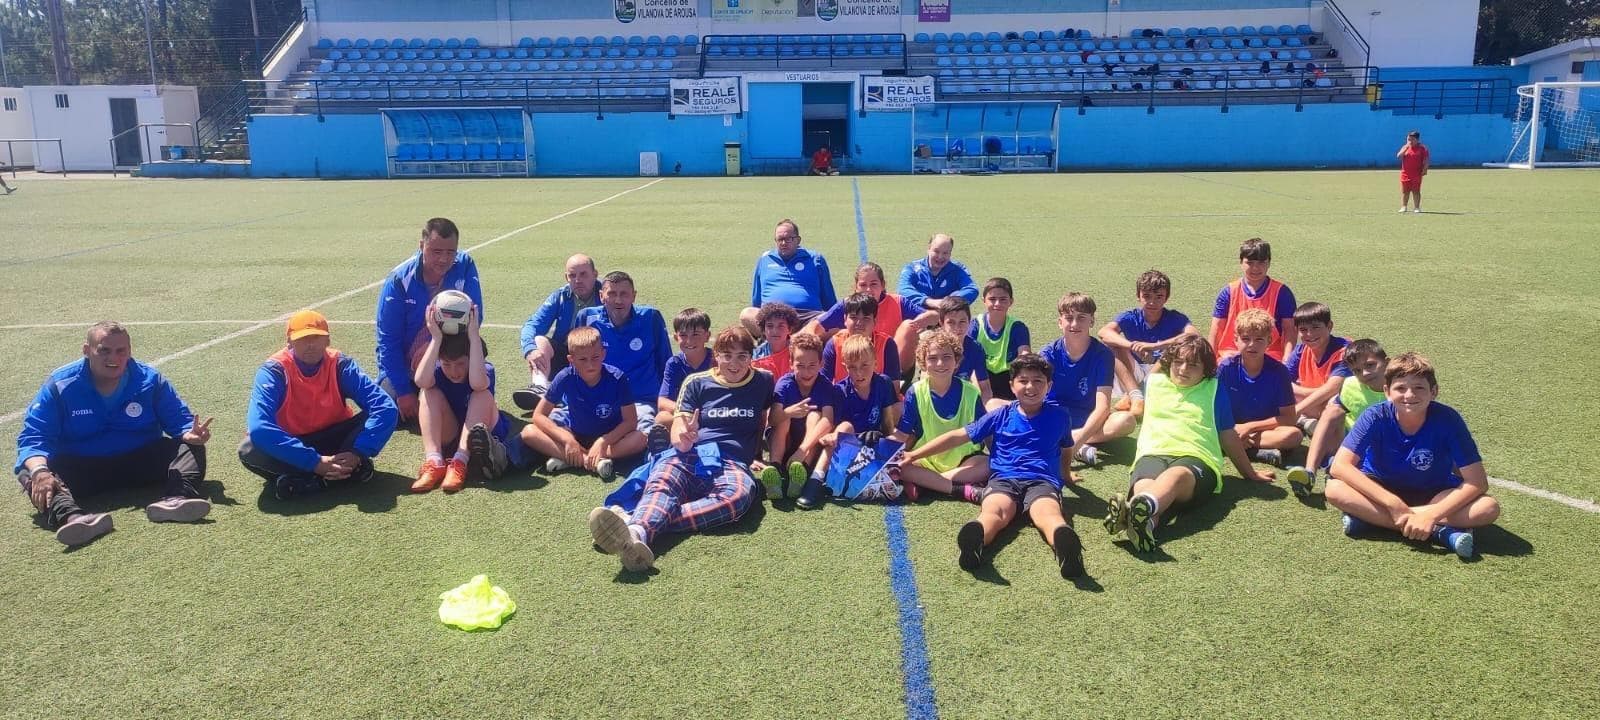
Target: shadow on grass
x=380, y=494
x=1492, y=540
x=665, y=543
x=1205, y=517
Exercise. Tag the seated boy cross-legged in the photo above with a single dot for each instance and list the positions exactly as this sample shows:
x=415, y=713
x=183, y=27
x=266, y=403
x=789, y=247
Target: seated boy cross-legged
x=457, y=411
x=868, y=408
x=860, y=320
x=1409, y=464
x=938, y=403
x=1082, y=380
x=1139, y=334
x=1187, y=429
x=1363, y=389
x=1026, y=467
x=597, y=423
x=801, y=417
x=1260, y=391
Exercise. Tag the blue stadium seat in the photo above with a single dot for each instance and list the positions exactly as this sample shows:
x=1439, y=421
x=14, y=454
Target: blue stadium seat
x=620, y=40
x=961, y=37
x=1236, y=44
x=1304, y=30
x=1248, y=30
x=1230, y=31
x=1213, y=31
x=1324, y=82
x=1285, y=29
x=1283, y=83
x=1294, y=42
x=669, y=52
x=1256, y=42
x=689, y=40
x=1074, y=59
x=1148, y=58
x=1269, y=30
x=1013, y=48
x=453, y=43
x=1302, y=55
x=1274, y=42
x=1230, y=57
x=381, y=68
x=1245, y=56
x=344, y=44
x=1193, y=32
x=994, y=37
x=614, y=52
x=457, y=67
x=1207, y=57
x=446, y=54
x=363, y=44
x=435, y=43
x=324, y=43
x=470, y=42
x=922, y=37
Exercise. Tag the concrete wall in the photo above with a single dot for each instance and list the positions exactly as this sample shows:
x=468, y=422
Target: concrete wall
x=339, y=146
x=84, y=126
x=1413, y=33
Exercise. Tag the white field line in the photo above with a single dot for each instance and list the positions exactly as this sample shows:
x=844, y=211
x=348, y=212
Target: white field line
x=1588, y=506
x=263, y=324
x=149, y=323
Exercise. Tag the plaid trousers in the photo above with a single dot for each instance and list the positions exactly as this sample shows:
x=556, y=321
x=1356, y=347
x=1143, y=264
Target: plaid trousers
x=676, y=500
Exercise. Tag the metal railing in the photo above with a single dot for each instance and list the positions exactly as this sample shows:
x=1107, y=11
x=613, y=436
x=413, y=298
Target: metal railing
x=282, y=40
x=222, y=116
x=318, y=96
x=1444, y=96
x=144, y=130
x=1215, y=86
x=823, y=56
x=11, y=154
x=1350, y=31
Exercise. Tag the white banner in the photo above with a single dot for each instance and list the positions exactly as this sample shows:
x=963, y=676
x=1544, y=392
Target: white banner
x=629, y=10
x=895, y=93
x=711, y=96
x=858, y=9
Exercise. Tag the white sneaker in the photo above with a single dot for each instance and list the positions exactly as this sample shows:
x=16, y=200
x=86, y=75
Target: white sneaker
x=1418, y=210
x=177, y=509
x=555, y=465
x=1402, y=209
x=609, y=527
x=606, y=469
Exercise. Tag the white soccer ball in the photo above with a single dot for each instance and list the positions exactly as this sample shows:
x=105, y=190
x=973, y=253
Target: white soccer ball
x=451, y=308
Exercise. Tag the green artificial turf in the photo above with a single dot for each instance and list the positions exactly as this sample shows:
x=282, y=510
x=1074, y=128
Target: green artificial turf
x=1255, y=606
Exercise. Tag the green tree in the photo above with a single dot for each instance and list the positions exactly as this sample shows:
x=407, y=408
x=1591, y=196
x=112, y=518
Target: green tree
x=1509, y=28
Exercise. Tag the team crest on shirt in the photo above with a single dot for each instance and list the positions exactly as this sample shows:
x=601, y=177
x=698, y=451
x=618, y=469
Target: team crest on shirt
x=635, y=344
x=602, y=410
x=1422, y=459
x=800, y=266
x=1083, y=386
x=134, y=410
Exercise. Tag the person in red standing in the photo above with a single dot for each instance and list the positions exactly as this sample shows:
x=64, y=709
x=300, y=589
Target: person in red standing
x=822, y=162
x=1413, y=165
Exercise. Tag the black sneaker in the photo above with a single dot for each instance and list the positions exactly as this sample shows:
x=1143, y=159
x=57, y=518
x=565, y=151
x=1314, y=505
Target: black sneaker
x=870, y=438
x=658, y=440
x=284, y=487
x=1069, y=552
x=528, y=397
x=812, y=494
x=487, y=455
x=970, y=542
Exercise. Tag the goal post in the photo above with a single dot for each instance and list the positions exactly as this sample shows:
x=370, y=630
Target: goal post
x=1557, y=124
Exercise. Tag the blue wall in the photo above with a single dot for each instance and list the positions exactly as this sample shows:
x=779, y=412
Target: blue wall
x=299, y=146
x=1269, y=136
x=578, y=144
x=884, y=139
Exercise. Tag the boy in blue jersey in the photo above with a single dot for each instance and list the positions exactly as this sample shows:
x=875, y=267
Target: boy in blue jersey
x=791, y=275
x=1139, y=335
x=598, y=421
x=403, y=304
x=938, y=402
x=458, y=411
x=717, y=433
x=301, y=431
x=1367, y=361
x=1409, y=464
x=1187, y=432
x=868, y=407
x=1081, y=382
x=802, y=415
x=635, y=340
x=955, y=317
x=692, y=328
x=1001, y=336
x=861, y=320
x=1026, y=468
x=1260, y=390
x=105, y=422
x=544, y=335
x=1316, y=365
x=924, y=282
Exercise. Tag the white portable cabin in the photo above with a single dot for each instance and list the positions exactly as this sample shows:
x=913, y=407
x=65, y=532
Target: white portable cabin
x=85, y=117
x=15, y=122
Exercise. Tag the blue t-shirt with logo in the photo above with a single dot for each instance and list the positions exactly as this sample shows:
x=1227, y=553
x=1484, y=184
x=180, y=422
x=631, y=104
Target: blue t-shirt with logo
x=1025, y=448
x=801, y=282
x=1073, y=383
x=974, y=365
x=731, y=414
x=823, y=395
x=1259, y=397
x=678, y=368
x=458, y=394
x=1136, y=327
x=591, y=410
x=1426, y=461
x=638, y=347
x=865, y=413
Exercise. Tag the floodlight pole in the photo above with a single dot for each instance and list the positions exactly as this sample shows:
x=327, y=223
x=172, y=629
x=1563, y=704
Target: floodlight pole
x=255, y=34
x=149, y=41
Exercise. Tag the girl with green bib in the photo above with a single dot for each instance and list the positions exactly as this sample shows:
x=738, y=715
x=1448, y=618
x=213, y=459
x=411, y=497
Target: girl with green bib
x=935, y=404
x=1188, y=426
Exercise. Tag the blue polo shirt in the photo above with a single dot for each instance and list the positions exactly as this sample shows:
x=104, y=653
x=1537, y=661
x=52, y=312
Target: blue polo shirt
x=865, y=413
x=1423, y=462
x=678, y=368
x=591, y=410
x=458, y=394
x=402, y=314
x=919, y=284
x=556, y=317
x=801, y=282
x=823, y=395
x=1025, y=448
x=974, y=364
x=1073, y=383
x=1259, y=397
x=639, y=347
x=69, y=417
x=1136, y=326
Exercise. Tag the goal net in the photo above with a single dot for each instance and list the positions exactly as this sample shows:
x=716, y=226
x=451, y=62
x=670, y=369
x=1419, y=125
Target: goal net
x=1557, y=124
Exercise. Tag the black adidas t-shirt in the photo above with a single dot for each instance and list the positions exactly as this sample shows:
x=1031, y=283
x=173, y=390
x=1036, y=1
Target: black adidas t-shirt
x=731, y=415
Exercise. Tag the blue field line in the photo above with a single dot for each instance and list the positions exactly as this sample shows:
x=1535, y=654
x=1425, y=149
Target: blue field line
x=914, y=672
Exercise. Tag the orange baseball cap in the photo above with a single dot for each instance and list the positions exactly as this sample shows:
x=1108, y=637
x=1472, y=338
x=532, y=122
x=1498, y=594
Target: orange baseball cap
x=307, y=323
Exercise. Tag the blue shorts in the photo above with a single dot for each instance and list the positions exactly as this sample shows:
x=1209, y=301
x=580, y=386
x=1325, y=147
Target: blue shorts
x=647, y=417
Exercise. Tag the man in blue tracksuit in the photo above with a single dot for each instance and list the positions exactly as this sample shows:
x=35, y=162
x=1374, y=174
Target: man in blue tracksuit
x=926, y=281
x=791, y=275
x=635, y=339
x=544, y=335
x=104, y=422
x=403, y=305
